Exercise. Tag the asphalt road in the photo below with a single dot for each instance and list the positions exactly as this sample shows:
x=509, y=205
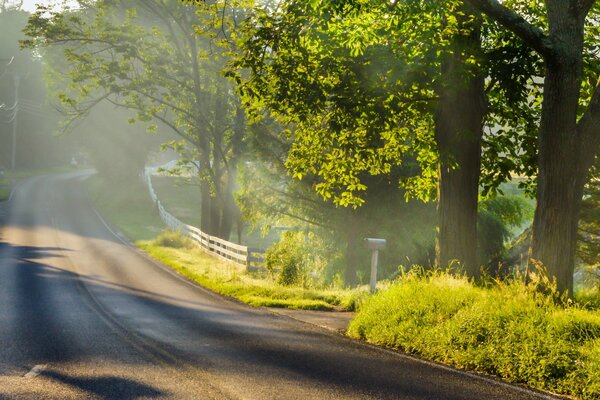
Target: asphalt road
x=83, y=315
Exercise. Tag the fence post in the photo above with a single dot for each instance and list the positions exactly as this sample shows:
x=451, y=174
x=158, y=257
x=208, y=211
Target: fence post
x=248, y=259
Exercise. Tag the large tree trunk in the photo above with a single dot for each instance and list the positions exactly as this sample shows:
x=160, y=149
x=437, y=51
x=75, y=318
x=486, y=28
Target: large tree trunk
x=351, y=228
x=561, y=160
x=458, y=131
x=229, y=212
x=206, y=209
x=566, y=147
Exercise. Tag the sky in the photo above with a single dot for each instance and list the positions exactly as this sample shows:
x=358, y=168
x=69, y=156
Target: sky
x=29, y=5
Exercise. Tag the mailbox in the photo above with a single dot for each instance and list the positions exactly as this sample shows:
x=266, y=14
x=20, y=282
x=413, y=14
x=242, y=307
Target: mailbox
x=375, y=244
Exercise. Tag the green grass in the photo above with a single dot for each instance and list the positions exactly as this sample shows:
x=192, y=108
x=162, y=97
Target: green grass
x=181, y=198
x=508, y=330
x=129, y=208
x=589, y=298
x=232, y=280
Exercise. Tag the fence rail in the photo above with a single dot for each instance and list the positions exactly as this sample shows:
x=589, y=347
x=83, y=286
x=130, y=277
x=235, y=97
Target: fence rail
x=251, y=258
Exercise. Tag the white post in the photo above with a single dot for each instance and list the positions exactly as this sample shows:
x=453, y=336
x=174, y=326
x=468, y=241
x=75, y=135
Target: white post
x=374, y=245
x=374, y=260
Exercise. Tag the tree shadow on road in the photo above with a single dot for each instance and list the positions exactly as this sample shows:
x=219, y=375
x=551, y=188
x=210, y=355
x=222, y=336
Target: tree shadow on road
x=107, y=387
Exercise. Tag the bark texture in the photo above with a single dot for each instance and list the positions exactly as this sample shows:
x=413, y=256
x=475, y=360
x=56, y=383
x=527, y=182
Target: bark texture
x=458, y=131
x=561, y=160
x=567, y=145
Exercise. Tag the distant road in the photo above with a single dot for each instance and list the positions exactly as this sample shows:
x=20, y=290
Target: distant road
x=83, y=315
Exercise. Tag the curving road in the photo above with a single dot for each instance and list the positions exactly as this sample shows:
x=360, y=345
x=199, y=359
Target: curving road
x=83, y=315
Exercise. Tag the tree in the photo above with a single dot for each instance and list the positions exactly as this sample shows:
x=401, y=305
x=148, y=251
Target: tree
x=144, y=56
x=362, y=91
x=270, y=196
x=569, y=128
x=459, y=120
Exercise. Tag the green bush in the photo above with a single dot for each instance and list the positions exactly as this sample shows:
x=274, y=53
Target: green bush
x=508, y=329
x=499, y=219
x=286, y=259
x=174, y=239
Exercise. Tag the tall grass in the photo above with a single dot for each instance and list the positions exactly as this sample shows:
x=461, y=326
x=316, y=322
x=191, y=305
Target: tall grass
x=183, y=255
x=507, y=329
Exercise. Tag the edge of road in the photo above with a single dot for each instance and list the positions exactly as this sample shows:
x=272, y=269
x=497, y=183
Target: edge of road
x=317, y=320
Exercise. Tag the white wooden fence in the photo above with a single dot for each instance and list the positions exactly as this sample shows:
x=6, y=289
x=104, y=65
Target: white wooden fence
x=242, y=255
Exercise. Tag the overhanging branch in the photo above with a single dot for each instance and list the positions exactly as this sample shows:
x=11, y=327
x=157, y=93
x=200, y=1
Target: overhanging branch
x=529, y=33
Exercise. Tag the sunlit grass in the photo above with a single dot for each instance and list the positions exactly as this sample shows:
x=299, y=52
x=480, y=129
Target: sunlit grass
x=232, y=280
x=589, y=298
x=508, y=329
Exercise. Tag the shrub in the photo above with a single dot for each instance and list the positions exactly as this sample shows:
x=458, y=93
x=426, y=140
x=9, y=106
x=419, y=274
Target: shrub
x=286, y=259
x=496, y=220
x=174, y=239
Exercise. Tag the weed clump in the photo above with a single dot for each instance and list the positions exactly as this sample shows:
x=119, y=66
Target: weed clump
x=174, y=239
x=509, y=329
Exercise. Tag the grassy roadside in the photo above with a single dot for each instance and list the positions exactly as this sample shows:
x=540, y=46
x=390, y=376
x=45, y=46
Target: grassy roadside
x=232, y=280
x=133, y=213
x=508, y=329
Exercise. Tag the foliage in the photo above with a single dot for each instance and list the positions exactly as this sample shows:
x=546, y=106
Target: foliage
x=287, y=258
x=588, y=249
x=361, y=94
x=509, y=329
x=497, y=218
x=268, y=198
x=355, y=84
x=304, y=71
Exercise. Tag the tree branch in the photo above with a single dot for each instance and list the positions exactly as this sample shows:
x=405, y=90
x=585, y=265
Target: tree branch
x=587, y=6
x=529, y=33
